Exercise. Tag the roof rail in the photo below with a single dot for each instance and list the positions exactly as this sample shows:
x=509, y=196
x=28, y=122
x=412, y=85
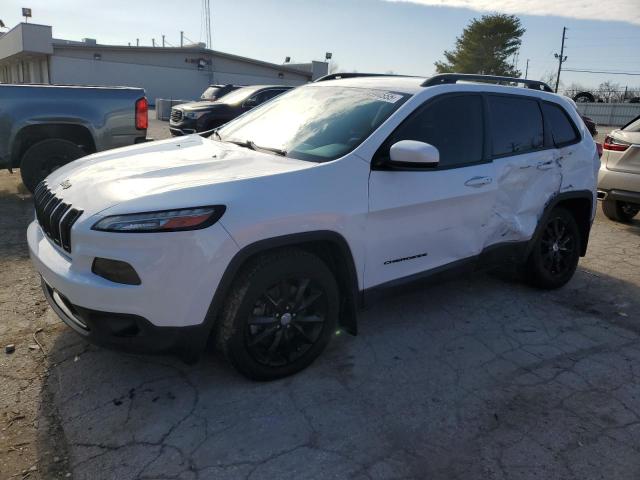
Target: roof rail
x=445, y=78
x=338, y=76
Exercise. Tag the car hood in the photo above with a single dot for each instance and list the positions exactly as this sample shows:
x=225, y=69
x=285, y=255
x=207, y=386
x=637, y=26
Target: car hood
x=105, y=179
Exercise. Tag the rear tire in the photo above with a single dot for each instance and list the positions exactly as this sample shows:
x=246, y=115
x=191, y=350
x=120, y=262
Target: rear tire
x=44, y=157
x=619, y=211
x=584, y=97
x=280, y=315
x=556, y=251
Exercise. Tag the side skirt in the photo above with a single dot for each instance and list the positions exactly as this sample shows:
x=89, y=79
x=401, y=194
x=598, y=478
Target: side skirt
x=494, y=256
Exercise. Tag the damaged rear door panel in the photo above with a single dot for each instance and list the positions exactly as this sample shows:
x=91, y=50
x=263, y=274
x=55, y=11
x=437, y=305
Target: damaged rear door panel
x=528, y=170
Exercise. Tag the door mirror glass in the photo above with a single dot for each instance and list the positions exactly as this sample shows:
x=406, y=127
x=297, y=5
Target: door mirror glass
x=415, y=153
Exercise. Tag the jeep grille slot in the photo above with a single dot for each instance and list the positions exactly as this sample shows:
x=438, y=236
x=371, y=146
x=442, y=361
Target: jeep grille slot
x=54, y=216
x=176, y=115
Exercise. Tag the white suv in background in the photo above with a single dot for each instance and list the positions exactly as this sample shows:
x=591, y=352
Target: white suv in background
x=269, y=234
x=619, y=177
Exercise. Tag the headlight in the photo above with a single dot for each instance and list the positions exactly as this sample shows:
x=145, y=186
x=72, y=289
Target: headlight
x=162, y=221
x=193, y=115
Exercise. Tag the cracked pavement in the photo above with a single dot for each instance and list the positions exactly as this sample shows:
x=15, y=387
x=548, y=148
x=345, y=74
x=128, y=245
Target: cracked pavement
x=477, y=378
x=491, y=380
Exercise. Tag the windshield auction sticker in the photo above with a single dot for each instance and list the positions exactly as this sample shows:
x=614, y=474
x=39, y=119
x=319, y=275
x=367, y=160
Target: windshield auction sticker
x=385, y=96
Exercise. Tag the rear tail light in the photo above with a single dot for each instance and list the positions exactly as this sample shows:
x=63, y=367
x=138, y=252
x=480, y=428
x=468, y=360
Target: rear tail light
x=611, y=144
x=142, y=114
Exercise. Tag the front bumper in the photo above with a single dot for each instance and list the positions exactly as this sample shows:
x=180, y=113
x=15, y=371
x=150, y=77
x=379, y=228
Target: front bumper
x=128, y=333
x=179, y=274
x=186, y=126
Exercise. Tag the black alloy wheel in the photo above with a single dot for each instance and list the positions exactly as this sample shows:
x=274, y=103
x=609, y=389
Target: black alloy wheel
x=287, y=319
x=557, y=246
x=280, y=314
x=555, y=252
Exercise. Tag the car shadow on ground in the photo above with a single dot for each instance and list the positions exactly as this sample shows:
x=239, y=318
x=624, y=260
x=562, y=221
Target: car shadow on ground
x=473, y=378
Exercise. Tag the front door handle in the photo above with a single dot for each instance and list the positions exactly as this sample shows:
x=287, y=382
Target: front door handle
x=478, y=181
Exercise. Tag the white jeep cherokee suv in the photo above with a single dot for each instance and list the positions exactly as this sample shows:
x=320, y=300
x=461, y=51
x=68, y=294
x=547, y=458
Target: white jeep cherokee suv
x=268, y=235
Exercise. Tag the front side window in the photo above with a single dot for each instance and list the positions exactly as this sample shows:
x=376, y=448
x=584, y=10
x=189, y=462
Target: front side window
x=452, y=124
x=562, y=130
x=516, y=125
x=315, y=123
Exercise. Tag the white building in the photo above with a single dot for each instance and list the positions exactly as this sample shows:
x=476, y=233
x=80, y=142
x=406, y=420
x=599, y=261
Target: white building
x=30, y=54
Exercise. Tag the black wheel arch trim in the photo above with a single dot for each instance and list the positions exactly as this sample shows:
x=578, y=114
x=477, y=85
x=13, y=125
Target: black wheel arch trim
x=347, y=283
x=556, y=200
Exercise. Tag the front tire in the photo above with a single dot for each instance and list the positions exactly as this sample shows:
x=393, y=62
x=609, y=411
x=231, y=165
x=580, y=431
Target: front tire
x=280, y=315
x=44, y=157
x=619, y=211
x=556, y=251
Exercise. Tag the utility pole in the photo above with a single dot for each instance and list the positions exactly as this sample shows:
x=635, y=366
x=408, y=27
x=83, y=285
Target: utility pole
x=162, y=41
x=526, y=71
x=561, y=58
x=181, y=39
x=153, y=42
x=137, y=42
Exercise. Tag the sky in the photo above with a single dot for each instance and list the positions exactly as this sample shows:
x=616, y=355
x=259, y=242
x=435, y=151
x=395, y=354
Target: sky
x=400, y=36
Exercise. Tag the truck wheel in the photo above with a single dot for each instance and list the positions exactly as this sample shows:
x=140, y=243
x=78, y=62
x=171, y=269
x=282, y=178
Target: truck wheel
x=280, y=315
x=584, y=97
x=44, y=157
x=619, y=211
x=554, y=257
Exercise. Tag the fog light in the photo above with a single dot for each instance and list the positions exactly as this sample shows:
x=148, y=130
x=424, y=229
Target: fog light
x=115, y=271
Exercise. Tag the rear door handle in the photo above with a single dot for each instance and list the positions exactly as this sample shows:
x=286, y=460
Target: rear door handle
x=478, y=181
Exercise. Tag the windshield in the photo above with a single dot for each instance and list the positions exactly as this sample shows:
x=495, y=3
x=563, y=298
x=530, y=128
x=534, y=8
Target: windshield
x=314, y=123
x=211, y=93
x=240, y=94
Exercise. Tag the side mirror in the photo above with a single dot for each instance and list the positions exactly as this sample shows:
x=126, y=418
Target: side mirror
x=415, y=153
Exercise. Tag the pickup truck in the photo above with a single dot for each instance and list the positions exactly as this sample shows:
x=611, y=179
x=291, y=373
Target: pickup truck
x=43, y=127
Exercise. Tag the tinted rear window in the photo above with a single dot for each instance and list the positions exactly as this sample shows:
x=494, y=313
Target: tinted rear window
x=516, y=125
x=562, y=128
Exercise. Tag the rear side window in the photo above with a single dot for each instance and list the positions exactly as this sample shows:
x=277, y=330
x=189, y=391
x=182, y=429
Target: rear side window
x=563, y=131
x=454, y=125
x=516, y=125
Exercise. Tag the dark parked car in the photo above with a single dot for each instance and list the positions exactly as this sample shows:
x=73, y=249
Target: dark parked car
x=202, y=116
x=216, y=92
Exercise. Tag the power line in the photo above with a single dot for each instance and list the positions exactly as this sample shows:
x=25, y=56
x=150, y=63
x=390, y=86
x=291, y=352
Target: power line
x=608, y=72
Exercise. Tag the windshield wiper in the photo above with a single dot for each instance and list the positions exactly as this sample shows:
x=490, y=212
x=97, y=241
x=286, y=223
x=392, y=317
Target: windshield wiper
x=252, y=146
x=208, y=133
x=277, y=151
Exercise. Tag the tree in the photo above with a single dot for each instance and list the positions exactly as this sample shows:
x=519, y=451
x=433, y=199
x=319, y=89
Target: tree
x=610, y=91
x=485, y=47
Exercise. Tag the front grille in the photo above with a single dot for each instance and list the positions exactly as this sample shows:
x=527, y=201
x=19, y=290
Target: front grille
x=176, y=115
x=55, y=216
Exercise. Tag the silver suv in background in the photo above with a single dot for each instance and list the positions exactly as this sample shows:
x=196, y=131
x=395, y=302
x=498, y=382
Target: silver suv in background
x=619, y=177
